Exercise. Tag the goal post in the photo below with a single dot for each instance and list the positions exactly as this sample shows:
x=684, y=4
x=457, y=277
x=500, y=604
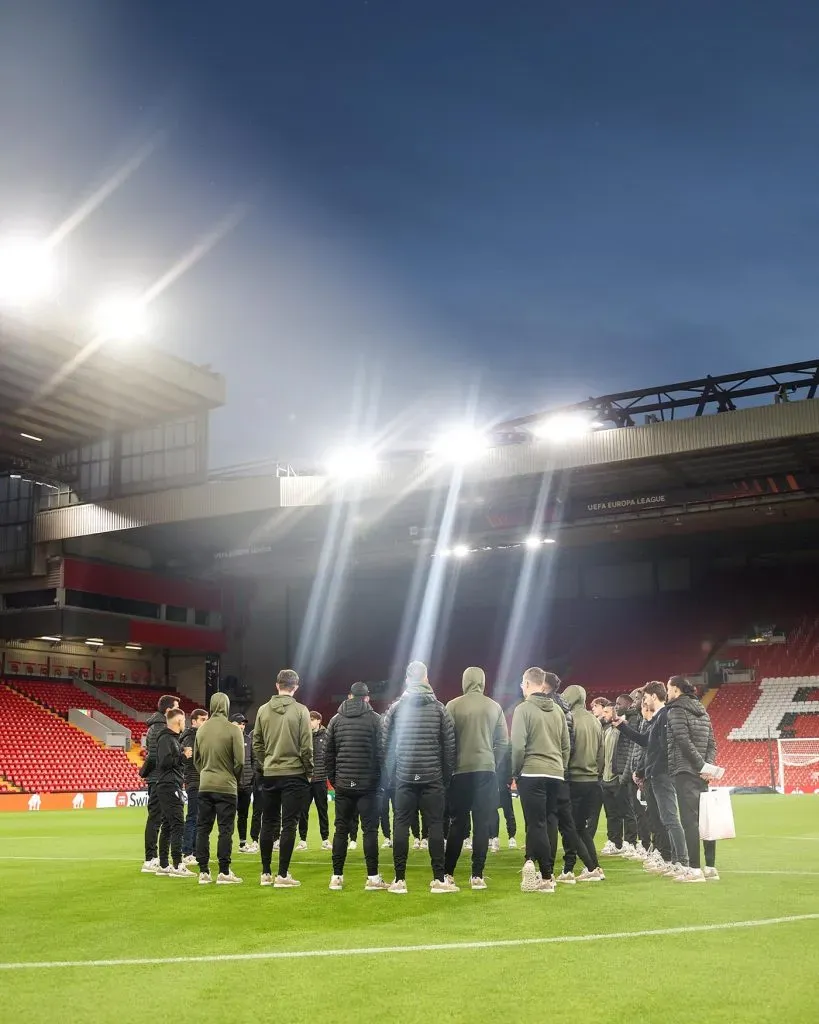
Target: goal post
x=798, y=754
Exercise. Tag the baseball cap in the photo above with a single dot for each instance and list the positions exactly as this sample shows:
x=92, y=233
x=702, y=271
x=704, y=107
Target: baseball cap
x=239, y=717
x=360, y=690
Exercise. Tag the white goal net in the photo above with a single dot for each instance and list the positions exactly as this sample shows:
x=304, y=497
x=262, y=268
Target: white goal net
x=798, y=764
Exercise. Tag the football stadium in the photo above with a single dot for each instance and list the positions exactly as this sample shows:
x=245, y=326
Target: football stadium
x=612, y=562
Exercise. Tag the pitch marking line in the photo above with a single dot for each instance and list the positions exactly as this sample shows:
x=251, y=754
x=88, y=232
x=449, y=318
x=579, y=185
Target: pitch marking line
x=438, y=947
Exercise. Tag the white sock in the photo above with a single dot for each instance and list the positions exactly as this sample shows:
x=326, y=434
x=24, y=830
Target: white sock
x=373, y=878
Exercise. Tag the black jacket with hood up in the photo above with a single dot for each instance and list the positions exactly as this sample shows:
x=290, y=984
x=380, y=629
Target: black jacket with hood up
x=418, y=738
x=352, y=747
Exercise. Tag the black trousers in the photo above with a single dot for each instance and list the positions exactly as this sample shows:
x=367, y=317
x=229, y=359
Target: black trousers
x=640, y=814
x=659, y=834
x=317, y=795
x=189, y=836
x=620, y=821
x=538, y=798
x=562, y=818
x=172, y=807
x=586, y=799
x=242, y=811
x=507, y=806
x=418, y=825
x=472, y=798
x=256, y=817
x=219, y=808
x=689, y=788
x=429, y=800
x=284, y=797
x=351, y=804
x=153, y=824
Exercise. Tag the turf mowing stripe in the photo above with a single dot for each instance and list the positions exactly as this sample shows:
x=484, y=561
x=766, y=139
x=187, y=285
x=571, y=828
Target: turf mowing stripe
x=438, y=947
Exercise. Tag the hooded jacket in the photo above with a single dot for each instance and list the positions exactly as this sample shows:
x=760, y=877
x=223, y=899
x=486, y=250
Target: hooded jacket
x=190, y=773
x=169, y=759
x=246, y=780
x=481, y=734
x=156, y=723
x=282, y=738
x=625, y=747
x=586, y=760
x=352, y=747
x=418, y=738
x=690, y=737
x=654, y=741
x=540, y=738
x=218, y=752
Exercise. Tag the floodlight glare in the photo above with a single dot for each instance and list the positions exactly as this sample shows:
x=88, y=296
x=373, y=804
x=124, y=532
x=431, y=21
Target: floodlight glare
x=352, y=463
x=533, y=543
x=27, y=272
x=121, y=317
x=460, y=446
x=563, y=427
x=460, y=551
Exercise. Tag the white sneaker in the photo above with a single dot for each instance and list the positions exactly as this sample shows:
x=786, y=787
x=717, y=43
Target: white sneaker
x=181, y=872
x=265, y=880
x=656, y=867
x=494, y=846
x=399, y=887
x=288, y=882
x=640, y=852
x=531, y=879
x=673, y=870
x=711, y=874
x=424, y=844
x=416, y=844
x=387, y=844
x=352, y=845
x=164, y=871
x=376, y=884
x=437, y=886
x=301, y=845
x=326, y=844
x=567, y=878
x=249, y=848
x=591, y=876
x=204, y=878
x=547, y=885
x=513, y=843
x=609, y=850
x=477, y=883
x=625, y=851
x=276, y=845
x=337, y=883
x=190, y=860
x=468, y=845
x=228, y=879
x=149, y=867
x=691, y=875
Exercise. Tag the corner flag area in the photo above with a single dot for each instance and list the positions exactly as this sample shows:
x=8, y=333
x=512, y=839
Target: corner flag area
x=86, y=937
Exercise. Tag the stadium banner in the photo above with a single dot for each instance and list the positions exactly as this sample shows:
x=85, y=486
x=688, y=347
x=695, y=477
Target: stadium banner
x=35, y=802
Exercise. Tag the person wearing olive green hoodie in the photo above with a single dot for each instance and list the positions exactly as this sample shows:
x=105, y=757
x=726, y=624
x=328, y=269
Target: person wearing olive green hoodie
x=584, y=775
x=218, y=755
x=482, y=738
x=540, y=757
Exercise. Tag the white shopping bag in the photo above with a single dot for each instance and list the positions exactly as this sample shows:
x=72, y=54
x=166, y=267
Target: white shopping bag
x=716, y=815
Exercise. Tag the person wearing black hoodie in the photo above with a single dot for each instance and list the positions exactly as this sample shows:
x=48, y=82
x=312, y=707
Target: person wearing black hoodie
x=156, y=723
x=191, y=777
x=418, y=744
x=170, y=762
x=244, y=794
x=318, y=787
x=352, y=758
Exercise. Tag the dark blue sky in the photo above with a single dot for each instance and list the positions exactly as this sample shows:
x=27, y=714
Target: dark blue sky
x=453, y=204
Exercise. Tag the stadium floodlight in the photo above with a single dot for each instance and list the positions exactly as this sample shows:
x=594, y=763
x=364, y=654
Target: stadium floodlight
x=121, y=317
x=94, y=641
x=52, y=639
x=562, y=427
x=133, y=647
x=534, y=542
x=460, y=446
x=27, y=272
x=351, y=463
x=31, y=437
x=460, y=551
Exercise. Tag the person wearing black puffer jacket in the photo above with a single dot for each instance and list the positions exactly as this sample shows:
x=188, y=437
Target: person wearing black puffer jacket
x=156, y=723
x=244, y=793
x=634, y=718
x=191, y=779
x=318, y=787
x=418, y=744
x=692, y=751
x=352, y=758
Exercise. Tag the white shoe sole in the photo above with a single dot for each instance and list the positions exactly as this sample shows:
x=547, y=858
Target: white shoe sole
x=398, y=892
x=282, y=885
x=221, y=881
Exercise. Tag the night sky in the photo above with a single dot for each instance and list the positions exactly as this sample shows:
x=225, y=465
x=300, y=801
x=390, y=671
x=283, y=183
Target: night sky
x=452, y=206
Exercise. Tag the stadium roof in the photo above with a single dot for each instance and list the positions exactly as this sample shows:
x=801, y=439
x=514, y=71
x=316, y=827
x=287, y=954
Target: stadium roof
x=55, y=397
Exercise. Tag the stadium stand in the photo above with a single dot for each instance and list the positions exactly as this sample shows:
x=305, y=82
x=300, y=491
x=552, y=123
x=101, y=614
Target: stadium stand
x=61, y=697
x=40, y=752
x=144, y=698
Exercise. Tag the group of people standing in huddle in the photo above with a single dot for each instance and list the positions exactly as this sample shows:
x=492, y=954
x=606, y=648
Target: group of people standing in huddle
x=446, y=770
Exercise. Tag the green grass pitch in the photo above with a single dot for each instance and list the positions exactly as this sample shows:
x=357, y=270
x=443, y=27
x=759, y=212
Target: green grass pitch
x=72, y=891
